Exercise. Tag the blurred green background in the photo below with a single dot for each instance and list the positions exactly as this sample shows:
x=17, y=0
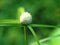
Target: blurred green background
x=45, y=12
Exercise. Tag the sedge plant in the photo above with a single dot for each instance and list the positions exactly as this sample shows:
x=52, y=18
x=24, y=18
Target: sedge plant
x=25, y=18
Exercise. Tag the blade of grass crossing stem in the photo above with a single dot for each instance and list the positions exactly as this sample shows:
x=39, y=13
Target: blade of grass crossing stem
x=25, y=36
x=34, y=34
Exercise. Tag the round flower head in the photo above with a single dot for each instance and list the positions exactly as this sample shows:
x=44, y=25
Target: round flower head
x=25, y=18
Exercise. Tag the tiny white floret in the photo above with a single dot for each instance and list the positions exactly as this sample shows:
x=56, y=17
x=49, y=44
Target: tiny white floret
x=25, y=18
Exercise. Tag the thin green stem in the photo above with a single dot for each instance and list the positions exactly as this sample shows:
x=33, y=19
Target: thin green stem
x=9, y=21
x=25, y=35
x=48, y=38
x=34, y=34
x=41, y=25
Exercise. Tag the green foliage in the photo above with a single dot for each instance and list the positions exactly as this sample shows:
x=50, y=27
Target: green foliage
x=55, y=40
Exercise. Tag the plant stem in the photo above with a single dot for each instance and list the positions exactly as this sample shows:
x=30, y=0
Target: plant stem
x=25, y=36
x=9, y=21
x=48, y=38
x=41, y=25
x=34, y=34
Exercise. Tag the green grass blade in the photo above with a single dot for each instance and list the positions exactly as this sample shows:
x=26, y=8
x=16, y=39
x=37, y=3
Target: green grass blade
x=9, y=21
x=25, y=36
x=34, y=34
x=40, y=25
x=49, y=38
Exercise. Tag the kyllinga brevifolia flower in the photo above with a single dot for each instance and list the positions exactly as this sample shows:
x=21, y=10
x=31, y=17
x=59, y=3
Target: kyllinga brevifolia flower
x=25, y=18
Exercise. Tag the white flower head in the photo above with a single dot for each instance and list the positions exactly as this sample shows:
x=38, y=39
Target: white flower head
x=25, y=18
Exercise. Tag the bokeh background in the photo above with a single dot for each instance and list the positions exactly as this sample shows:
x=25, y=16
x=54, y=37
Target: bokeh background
x=45, y=12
